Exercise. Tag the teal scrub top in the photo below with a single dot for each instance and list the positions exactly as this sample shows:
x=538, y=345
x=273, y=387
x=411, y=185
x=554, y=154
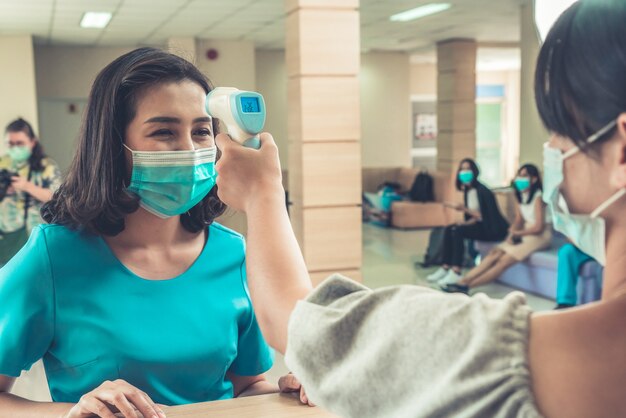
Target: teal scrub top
x=66, y=298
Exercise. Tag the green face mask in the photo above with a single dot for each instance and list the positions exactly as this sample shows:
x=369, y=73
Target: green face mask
x=522, y=183
x=20, y=153
x=169, y=183
x=466, y=176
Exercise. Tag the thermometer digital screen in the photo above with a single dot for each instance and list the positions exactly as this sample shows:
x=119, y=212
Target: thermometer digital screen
x=250, y=105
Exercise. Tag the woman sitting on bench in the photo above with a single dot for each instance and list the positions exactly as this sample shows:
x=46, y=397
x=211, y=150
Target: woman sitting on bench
x=529, y=232
x=482, y=221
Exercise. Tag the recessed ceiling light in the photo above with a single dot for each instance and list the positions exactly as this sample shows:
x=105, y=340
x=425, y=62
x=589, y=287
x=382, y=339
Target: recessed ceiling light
x=422, y=11
x=95, y=19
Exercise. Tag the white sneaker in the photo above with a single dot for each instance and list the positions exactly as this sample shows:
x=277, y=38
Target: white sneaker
x=451, y=278
x=437, y=275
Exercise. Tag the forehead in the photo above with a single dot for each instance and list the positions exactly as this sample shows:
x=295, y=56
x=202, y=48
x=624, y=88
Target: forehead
x=184, y=98
x=17, y=137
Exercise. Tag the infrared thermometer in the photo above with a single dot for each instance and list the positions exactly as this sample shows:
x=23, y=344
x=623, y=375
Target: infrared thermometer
x=243, y=113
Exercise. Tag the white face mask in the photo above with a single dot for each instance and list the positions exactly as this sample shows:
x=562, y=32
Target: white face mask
x=587, y=232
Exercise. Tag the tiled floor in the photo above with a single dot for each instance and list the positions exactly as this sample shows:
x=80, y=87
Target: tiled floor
x=388, y=259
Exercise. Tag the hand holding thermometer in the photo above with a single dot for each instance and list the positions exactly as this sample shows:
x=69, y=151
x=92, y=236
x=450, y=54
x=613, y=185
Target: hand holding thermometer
x=243, y=113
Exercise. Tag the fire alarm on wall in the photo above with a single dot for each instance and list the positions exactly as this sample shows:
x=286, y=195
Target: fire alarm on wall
x=212, y=54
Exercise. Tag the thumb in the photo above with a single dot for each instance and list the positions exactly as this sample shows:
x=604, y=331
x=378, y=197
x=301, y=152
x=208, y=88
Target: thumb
x=267, y=140
x=288, y=383
x=222, y=141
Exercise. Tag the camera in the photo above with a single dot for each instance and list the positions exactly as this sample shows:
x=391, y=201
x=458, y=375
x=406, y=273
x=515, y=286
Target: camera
x=5, y=182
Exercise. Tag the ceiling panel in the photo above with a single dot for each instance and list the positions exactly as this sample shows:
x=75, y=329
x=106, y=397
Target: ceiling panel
x=261, y=21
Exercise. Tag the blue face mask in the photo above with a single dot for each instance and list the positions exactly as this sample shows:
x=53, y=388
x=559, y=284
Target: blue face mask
x=587, y=231
x=522, y=183
x=170, y=183
x=466, y=176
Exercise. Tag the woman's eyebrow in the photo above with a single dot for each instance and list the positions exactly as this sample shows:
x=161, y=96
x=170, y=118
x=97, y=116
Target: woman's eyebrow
x=170, y=119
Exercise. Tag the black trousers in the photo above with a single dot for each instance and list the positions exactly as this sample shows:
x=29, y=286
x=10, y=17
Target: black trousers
x=454, y=237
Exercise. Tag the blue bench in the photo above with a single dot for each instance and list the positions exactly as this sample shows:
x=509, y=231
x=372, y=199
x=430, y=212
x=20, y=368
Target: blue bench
x=538, y=273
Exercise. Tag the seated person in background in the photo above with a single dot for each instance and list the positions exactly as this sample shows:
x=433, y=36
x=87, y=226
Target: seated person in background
x=571, y=260
x=483, y=221
x=530, y=232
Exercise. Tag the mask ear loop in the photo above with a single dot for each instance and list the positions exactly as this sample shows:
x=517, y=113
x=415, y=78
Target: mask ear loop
x=593, y=138
x=608, y=203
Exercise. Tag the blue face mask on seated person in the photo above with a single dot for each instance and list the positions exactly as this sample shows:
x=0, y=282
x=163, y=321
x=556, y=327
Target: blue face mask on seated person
x=169, y=183
x=522, y=183
x=466, y=176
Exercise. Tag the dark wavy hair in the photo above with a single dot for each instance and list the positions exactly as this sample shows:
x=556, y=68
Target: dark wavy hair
x=473, y=168
x=38, y=154
x=580, y=80
x=93, y=196
x=532, y=171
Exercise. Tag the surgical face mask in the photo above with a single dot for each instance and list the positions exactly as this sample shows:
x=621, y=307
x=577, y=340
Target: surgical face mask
x=466, y=176
x=19, y=153
x=522, y=183
x=587, y=231
x=169, y=183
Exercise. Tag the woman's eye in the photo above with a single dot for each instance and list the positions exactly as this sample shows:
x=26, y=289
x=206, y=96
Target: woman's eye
x=162, y=132
x=202, y=132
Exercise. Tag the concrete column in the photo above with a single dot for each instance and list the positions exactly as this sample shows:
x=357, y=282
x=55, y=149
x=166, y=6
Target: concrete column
x=532, y=132
x=323, y=59
x=456, y=103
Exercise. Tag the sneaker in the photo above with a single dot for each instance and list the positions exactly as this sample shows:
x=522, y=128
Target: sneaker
x=451, y=278
x=455, y=288
x=438, y=275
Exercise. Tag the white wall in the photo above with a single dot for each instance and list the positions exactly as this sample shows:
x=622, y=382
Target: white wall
x=64, y=78
x=18, y=96
x=234, y=66
x=532, y=132
x=68, y=72
x=271, y=82
x=385, y=109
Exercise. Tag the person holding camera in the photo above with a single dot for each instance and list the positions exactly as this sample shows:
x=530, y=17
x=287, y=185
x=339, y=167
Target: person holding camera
x=28, y=178
x=531, y=231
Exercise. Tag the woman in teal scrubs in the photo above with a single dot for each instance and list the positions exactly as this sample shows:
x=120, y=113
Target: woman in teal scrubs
x=132, y=295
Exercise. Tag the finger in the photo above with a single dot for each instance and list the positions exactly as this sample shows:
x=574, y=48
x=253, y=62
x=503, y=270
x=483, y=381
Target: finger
x=222, y=141
x=304, y=398
x=97, y=407
x=145, y=405
x=288, y=383
x=119, y=401
x=267, y=140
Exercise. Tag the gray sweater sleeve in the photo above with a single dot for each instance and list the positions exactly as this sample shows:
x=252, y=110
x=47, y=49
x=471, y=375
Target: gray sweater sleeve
x=409, y=351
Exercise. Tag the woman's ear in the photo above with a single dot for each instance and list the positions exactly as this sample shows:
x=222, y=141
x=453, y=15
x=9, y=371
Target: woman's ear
x=618, y=177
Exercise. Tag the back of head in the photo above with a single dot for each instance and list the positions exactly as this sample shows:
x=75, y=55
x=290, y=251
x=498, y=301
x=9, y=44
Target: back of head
x=580, y=82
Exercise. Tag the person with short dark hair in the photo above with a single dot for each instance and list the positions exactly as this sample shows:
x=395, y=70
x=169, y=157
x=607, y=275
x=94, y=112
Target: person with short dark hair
x=28, y=178
x=410, y=351
x=482, y=221
x=531, y=231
